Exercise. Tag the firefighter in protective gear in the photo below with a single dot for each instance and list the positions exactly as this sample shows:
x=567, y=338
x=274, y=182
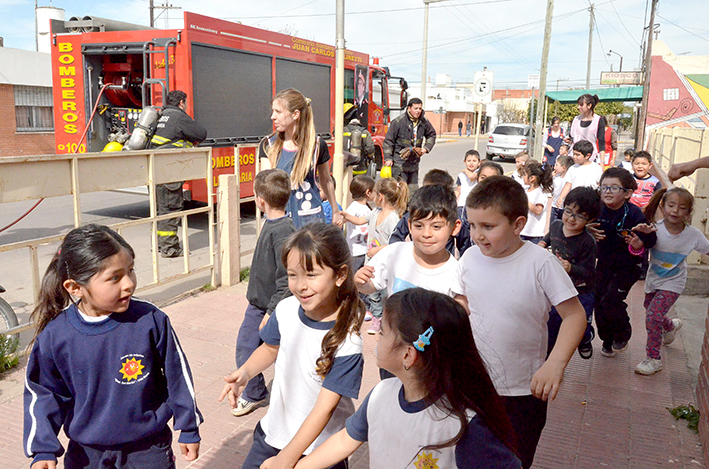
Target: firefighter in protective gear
x=357, y=145
x=175, y=129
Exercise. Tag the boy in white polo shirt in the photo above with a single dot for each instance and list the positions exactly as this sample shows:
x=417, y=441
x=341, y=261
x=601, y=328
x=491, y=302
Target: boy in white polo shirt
x=509, y=286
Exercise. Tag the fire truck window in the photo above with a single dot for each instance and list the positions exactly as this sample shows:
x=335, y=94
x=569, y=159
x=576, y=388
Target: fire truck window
x=349, y=86
x=377, y=93
x=33, y=109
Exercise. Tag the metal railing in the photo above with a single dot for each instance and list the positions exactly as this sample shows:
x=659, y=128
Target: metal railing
x=35, y=177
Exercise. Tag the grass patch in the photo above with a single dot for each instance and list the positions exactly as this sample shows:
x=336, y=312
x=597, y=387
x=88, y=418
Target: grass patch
x=8, y=346
x=689, y=413
x=244, y=274
x=208, y=287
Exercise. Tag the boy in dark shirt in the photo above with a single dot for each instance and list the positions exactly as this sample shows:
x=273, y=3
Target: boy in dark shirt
x=576, y=250
x=268, y=279
x=619, y=255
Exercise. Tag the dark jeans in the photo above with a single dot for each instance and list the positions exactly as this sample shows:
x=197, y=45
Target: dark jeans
x=407, y=174
x=247, y=342
x=154, y=451
x=554, y=322
x=528, y=415
x=532, y=239
x=612, y=287
x=169, y=199
x=556, y=214
x=260, y=451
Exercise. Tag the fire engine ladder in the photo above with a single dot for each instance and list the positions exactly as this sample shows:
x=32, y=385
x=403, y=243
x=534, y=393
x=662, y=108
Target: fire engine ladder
x=151, y=48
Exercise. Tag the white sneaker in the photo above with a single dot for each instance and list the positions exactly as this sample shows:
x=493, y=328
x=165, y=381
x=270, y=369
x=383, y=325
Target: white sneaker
x=244, y=407
x=669, y=336
x=649, y=366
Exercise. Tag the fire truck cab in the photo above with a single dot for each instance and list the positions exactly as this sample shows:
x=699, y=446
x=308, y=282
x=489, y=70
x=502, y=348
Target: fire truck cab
x=230, y=72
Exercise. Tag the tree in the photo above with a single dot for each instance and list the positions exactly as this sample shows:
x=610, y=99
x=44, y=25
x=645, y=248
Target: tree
x=509, y=114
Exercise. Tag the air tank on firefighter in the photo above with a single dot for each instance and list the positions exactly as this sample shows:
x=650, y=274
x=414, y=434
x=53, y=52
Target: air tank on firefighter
x=356, y=145
x=143, y=130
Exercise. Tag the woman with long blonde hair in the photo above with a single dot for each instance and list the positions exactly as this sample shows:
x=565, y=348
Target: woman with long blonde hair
x=295, y=148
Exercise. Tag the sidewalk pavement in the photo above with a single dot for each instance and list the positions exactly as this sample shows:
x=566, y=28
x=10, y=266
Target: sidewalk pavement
x=605, y=416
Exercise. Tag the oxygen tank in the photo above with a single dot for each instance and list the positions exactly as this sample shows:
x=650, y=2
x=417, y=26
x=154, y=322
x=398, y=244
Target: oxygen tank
x=143, y=130
x=356, y=145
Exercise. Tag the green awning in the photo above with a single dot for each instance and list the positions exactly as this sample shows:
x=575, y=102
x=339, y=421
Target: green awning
x=622, y=93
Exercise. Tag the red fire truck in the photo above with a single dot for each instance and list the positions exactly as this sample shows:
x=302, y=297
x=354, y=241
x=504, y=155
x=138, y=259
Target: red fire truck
x=229, y=71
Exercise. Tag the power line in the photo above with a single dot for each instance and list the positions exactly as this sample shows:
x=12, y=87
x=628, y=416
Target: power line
x=683, y=29
x=369, y=12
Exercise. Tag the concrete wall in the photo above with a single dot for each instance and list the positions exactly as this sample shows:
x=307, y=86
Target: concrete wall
x=13, y=143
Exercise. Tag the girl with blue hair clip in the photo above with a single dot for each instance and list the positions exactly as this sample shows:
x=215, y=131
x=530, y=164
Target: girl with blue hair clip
x=441, y=410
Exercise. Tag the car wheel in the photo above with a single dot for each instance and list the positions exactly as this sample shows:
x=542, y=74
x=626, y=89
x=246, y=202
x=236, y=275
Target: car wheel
x=489, y=156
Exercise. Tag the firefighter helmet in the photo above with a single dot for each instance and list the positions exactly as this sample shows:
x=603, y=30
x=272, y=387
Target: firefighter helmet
x=113, y=146
x=350, y=112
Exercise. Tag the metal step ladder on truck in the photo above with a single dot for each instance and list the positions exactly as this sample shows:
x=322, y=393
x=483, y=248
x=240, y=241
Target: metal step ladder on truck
x=230, y=72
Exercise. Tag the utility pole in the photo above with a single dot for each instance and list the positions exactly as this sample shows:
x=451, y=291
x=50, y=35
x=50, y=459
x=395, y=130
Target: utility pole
x=543, y=80
x=164, y=7
x=424, y=59
x=590, y=47
x=338, y=166
x=640, y=136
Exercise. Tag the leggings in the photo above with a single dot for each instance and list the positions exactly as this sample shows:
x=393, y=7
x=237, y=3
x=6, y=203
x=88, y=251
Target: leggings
x=657, y=304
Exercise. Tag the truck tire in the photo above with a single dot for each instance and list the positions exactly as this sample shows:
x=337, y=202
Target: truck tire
x=9, y=320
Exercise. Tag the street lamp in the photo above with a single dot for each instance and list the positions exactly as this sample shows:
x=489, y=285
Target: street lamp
x=425, y=49
x=620, y=69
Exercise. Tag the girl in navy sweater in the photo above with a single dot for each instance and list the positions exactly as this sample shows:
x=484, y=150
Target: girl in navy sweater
x=104, y=365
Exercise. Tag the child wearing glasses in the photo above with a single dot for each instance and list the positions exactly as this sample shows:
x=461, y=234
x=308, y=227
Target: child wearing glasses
x=576, y=250
x=619, y=256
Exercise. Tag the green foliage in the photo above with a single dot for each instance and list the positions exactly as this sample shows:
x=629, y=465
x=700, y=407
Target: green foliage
x=208, y=287
x=244, y=274
x=689, y=413
x=8, y=346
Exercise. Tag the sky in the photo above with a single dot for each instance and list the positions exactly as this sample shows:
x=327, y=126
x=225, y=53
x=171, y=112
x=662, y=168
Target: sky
x=506, y=36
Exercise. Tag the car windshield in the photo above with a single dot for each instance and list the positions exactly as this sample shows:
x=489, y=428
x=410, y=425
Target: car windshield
x=507, y=130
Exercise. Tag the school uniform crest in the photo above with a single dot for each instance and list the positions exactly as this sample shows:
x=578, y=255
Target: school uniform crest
x=426, y=461
x=131, y=369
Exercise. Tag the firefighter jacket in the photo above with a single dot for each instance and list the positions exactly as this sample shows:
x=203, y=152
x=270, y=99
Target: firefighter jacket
x=402, y=134
x=177, y=129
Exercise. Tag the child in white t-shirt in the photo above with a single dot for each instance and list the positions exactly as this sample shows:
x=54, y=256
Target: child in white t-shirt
x=561, y=167
x=362, y=191
x=509, y=286
x=584, y=172
x=667, y=274
x=467, y=179
x=538, y=178
x=521, y=159
x=424, y=261
x=313, y=338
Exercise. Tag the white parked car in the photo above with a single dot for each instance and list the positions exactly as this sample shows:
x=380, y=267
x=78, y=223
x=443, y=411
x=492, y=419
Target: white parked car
x=509, y=139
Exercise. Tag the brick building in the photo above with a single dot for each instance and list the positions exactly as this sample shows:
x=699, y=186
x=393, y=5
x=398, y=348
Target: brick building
x=27, y=126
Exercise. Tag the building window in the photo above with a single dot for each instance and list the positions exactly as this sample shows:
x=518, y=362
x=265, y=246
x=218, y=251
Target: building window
x=670, y=94
x=33, y=109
